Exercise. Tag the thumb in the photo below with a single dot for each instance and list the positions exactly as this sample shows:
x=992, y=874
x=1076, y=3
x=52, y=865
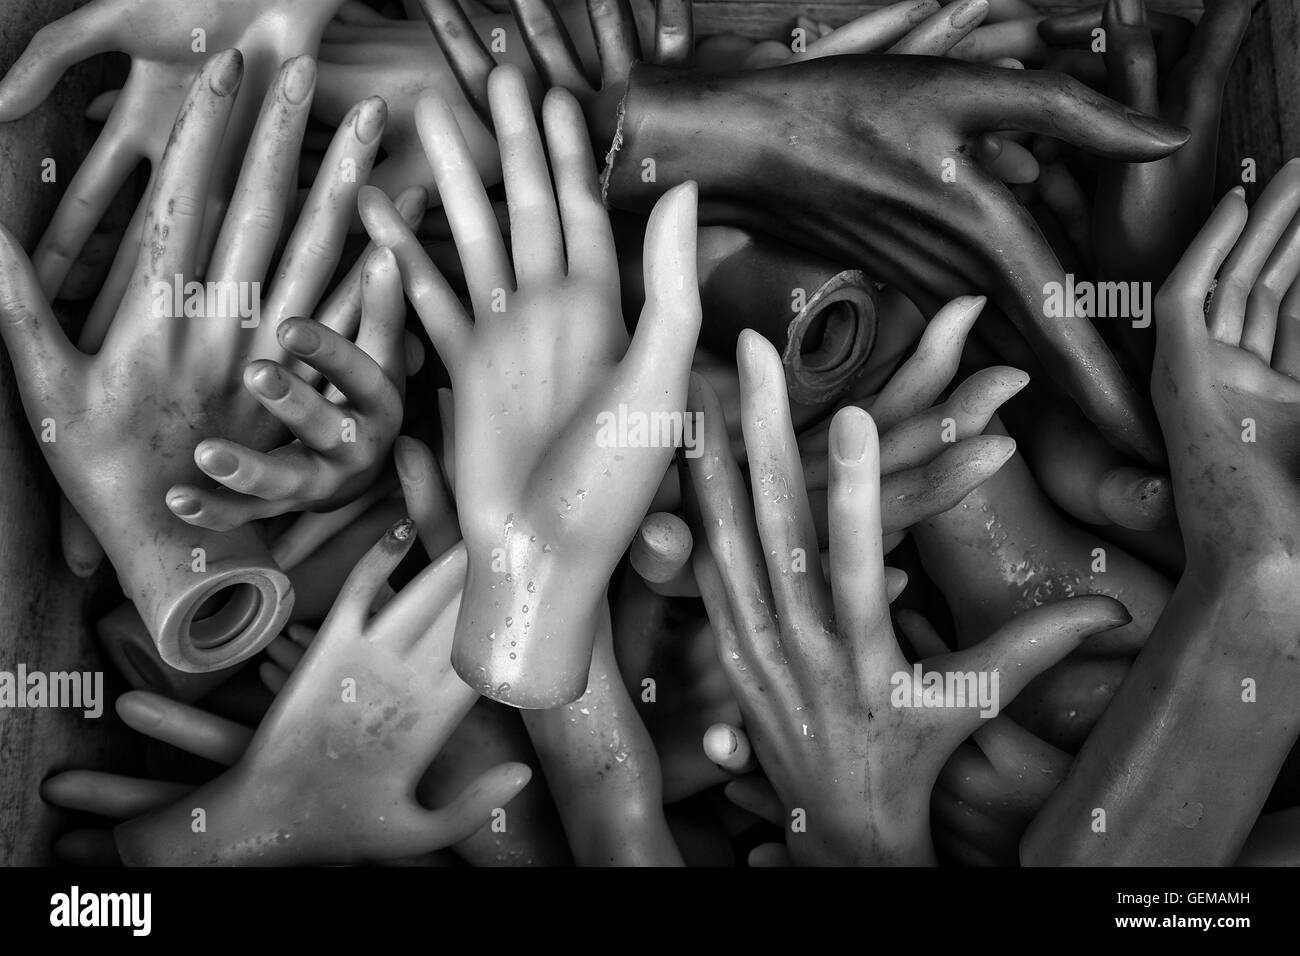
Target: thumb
x=988, y=99
x=38, y=347
x=476, y=805
x=54, y=49
x=1034, y=640
x=664, y=343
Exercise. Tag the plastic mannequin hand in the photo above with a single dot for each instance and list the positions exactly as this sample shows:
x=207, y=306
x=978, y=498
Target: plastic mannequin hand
x=530, y=833
x=1038, y=557
x=931, y=456
x=558, y=45
x=667, y=642
x=534, y=374
x=1166, y=761
x=918, y=27
x=167, y=42
x=992, y=785
x=810, y=660
x=1083, y=475
x=1176, y=191
x=141, y=404
x=603, y=771
x=398, y=59
x=330, y=775
x=894, y=162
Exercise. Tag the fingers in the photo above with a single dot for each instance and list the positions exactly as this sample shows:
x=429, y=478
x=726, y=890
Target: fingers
x=1004, y=44
x=912, y=496
x=1286, y=347
x=469, y=213
x=873, y=31
x=588, y=238
x=102, y=173
x=316, y=243
x=755, y=794
x=251, y=228
x=732, y=538
x=964, y=415
x=43, y=358
x=925, y=375
x=369, y=389
x=785, y=523
x=728, y=747
x=109, y=794
x=617, y=44
x=348, y=615
x=382, y=335
x=549, y=44
x=1274, y=281
x=857, y=558
x=1211, y=53
x=82, y=551
x=174, y=216
x=85, y=32
x=534, y=221
x=1130, y=55
x=192, y=730
x=664, y=343
x=436, y=304
x=1180, y=304
x=284, y=653
x=674, y=42
x=473, y=808
x=426, y=496
x=1269, y=219
x=942, y=31
x=1006, y=159
x=661, y=549
x=468, y=58
x=1034, y=640
x=770, y=855
x=1060, y=106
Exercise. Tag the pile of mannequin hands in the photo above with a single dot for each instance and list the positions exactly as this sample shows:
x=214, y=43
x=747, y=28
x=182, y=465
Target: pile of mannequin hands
x=889, y=457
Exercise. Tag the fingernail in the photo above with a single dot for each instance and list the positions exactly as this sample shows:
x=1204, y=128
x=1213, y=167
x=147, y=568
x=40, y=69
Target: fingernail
x=299, y=78
x=402, y=530
x=299, y=337
x=686, y=207
x=851, y=428
x=143, y=705
x=218, y=462
x=225, y=77
x=270, y=382
x=969, y=12
x=371, y=119
x=1131, y=13
x=1169, y=133
x=404, y=449
x=411, y=204
x=183, y=505
x=1239, y=192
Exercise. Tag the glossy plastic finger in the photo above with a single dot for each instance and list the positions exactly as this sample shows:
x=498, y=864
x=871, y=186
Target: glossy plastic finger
x=942, y=31
x=193, y=730
x=251, y=227
x=536, y=245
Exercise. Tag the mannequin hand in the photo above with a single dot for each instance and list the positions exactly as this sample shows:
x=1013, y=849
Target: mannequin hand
x=330, y=775
x=811, y=661
x=545, y=356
